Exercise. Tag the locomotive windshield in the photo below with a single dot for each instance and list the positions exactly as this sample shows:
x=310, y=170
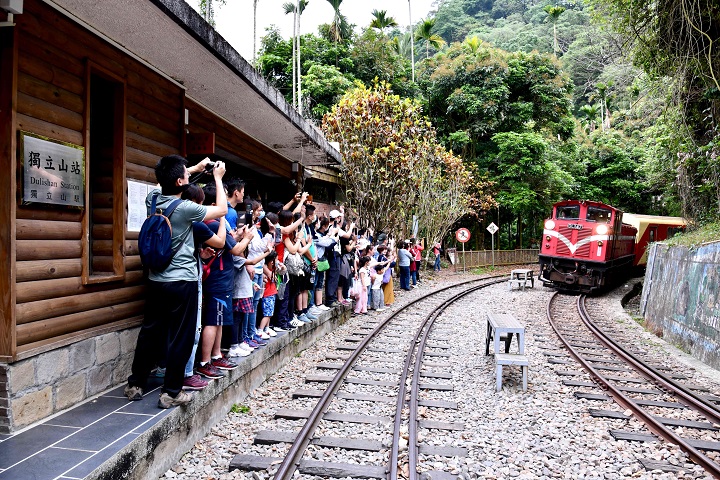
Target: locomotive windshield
x=600, y=215
x=567, y=212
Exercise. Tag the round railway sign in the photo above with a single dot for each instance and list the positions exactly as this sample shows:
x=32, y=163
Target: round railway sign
x=462, y=235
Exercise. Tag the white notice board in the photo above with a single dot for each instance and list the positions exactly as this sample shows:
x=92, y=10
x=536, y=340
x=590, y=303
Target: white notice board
x=137, y=211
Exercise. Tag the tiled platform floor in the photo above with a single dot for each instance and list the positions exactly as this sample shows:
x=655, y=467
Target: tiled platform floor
x=76, y=442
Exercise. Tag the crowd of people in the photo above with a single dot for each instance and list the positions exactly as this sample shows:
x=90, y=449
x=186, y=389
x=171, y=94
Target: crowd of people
x=242, y=272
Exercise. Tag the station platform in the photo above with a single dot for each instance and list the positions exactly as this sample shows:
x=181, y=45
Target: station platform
x=109, y=437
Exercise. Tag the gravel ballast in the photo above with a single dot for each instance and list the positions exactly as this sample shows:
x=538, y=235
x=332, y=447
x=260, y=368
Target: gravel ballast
x=543, y=433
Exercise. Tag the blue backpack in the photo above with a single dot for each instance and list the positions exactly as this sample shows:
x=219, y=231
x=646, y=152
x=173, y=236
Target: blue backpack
x=155, y=239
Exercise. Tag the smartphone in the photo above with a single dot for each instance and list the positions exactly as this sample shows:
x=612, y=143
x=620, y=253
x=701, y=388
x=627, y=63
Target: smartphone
x=248, y=214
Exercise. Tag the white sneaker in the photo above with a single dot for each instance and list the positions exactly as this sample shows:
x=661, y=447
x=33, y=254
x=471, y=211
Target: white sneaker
x=380, y=310
x=236, y=351
x=296, y=323
x=270, y=332
x=295, y=317
x=264, y=336
x=245, y=347
x=314, y=311
x=324, y=308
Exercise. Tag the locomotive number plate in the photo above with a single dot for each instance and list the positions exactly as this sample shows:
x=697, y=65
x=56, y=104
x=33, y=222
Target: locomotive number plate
x=575, y=226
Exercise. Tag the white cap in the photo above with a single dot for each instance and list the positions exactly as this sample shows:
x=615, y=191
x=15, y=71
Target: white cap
x=334, y=214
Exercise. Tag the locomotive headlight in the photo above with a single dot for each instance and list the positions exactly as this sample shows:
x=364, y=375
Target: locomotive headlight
x=600, y=243
x=601, y=229
x=547, y=237
x=549, y=224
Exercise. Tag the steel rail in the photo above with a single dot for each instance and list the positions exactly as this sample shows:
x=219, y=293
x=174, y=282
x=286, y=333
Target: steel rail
x=292, y=459
x=629, y=404
x=415, y=390
x=692, y=399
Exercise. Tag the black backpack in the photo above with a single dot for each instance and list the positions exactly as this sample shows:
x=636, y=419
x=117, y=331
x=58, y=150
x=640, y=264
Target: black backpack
x=155, y=239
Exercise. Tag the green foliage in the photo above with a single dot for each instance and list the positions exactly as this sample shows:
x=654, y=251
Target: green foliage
x=322, y=86
x=375, y=57
x=239, y=408
x=709, y=232
x=275, y=60
x=393, y=160
x=678, y=40
x=531, y=179
x=481, y=90
x=614, y=172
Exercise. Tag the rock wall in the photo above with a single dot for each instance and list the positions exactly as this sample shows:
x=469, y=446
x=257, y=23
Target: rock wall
x=37, y=387
x=681, y=298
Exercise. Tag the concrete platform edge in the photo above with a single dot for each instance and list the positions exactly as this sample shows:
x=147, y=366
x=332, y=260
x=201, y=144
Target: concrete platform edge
x=153, y=452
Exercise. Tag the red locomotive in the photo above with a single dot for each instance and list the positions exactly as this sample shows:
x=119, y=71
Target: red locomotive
x=586, y=245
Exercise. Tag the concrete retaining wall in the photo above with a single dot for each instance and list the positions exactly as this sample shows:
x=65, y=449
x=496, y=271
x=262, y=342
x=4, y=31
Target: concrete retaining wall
x=681, y=298
x=33, y=389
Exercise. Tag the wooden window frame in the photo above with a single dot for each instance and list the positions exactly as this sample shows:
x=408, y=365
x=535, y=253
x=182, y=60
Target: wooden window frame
x=119, y=172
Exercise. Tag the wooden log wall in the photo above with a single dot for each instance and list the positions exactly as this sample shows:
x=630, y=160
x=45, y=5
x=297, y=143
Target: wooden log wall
x=8, y=187
x=52, y=303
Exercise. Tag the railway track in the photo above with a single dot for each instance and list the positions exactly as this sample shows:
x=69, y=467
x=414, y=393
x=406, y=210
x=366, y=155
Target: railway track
x=683, y=414
x=396, y=359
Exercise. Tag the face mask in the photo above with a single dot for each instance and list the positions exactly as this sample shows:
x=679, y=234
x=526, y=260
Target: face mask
x=261, y=216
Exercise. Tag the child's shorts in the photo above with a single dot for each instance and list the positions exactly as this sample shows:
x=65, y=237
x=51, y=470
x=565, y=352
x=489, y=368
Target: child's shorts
x=217, y=312
x=268, y=306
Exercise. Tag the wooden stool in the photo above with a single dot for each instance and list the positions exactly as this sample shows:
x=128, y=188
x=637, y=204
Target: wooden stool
x=510, y=359
x=520, y=277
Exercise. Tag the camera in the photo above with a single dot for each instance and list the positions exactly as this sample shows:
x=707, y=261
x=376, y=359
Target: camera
x=248, y=214
x=209, y=166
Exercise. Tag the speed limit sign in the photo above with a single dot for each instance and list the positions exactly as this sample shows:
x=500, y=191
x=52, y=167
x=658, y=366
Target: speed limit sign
x=462, y=235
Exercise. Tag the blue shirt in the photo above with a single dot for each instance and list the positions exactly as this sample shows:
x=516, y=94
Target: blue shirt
x=231, y=216
x=201, y=234
x=222, y=276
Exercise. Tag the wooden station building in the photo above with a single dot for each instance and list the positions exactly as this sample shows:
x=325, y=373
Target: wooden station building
x=92, y=94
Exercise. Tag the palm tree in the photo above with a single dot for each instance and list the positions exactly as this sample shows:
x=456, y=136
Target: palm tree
x=591, y=113
x=602, y=93
x=255, y=2
x=473, y=43
x=290, y=7
x=401, y=45
x=424, y=32
x=339, y=28
x=553, y=14
x=381, y=21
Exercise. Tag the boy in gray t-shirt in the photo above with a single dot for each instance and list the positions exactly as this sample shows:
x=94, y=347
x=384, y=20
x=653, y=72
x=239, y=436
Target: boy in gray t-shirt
x=171, y=301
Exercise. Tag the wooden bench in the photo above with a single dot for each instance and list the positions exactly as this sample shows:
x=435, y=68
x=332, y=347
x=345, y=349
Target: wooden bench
x=520, y=278
x=502, y=326
x=508, y=359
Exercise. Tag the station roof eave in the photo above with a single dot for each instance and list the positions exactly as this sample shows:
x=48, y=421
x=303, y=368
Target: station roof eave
x=173, y=38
